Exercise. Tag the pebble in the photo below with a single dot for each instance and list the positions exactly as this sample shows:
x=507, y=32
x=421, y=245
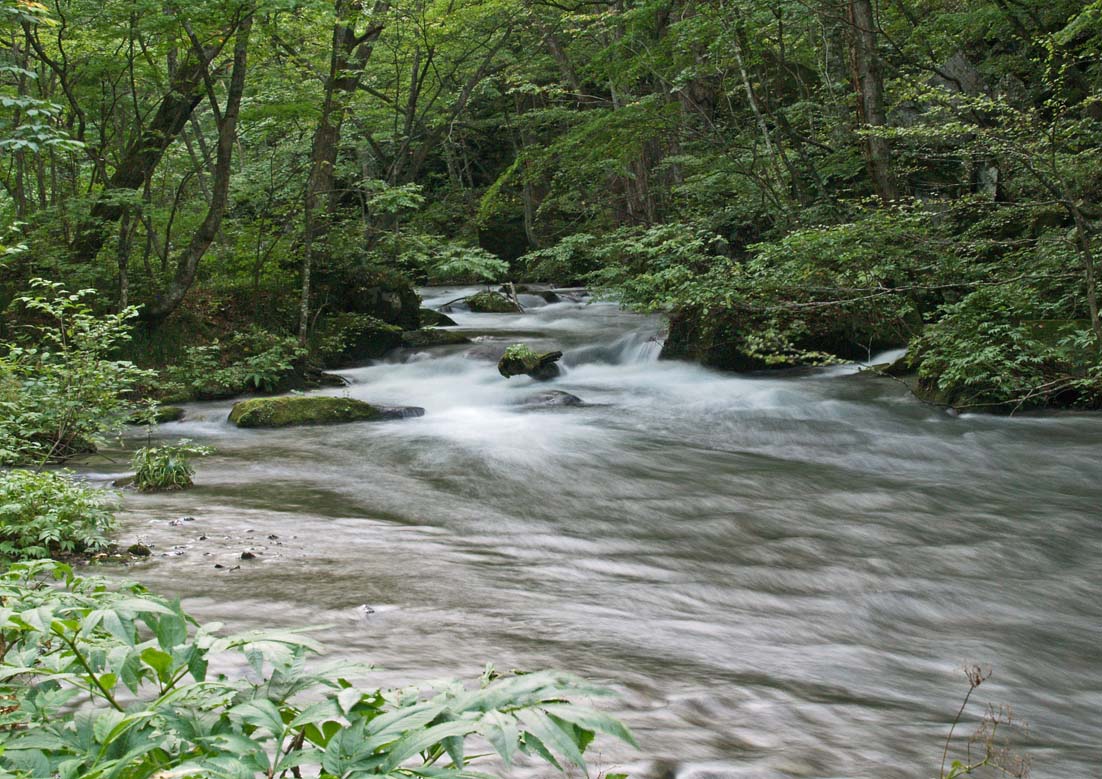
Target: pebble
x=248, y=556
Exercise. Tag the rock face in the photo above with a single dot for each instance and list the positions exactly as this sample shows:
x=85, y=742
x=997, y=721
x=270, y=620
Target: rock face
x=433, y=318
x=492, y=303
x=428, y=336
x=519, y=359
x=298, y=410
x=553, y=399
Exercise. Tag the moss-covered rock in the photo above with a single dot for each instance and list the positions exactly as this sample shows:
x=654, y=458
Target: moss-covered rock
x=375, y=292
x=346, y=339
x=737, y=341
x=430, y=317
x=520, y=359
x=492, y=303
x=428, y=336
x=301, y=410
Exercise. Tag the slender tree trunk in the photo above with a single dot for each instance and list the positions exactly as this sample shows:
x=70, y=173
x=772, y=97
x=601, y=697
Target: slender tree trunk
x=869, y=85
x=349, y=56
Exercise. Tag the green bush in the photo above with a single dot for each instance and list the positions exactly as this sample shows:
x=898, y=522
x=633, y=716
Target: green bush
x=46, y=513
x=999, y=348
x=166, y=467
x=149, y=706
x=253, y=359
x=60, y=391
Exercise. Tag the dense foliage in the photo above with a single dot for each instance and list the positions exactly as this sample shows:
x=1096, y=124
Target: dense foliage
x=792, y=182
x=151, y=705
x=46, y=513
x=60, y=389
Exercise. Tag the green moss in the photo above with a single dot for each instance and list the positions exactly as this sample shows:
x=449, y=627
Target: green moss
x=491, y=303
x=520, y=359
x=297, y=410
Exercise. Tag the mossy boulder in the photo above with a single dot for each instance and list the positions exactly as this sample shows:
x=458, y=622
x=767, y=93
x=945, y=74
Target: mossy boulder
x=302, y=410
x=430, y=317
x=348, y=338
x=520, y=359
x=428, y=336
x=738, y=341
x=492, y=303
x=375, y=292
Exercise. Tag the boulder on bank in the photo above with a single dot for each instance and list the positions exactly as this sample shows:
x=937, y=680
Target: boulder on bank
x=520, y=359
x=432, y=318
x=492, y=303
x=320, y=410
x=430, y=336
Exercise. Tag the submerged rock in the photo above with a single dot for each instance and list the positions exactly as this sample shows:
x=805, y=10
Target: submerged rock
x=297, y=410
x=432, y=318
x=492, y=303
x=430, y=336
x=520, y=359
x=400, y=412
x=553, y=399
x=161, y=415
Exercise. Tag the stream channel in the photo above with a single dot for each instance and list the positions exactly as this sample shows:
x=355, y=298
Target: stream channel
x=780, y=575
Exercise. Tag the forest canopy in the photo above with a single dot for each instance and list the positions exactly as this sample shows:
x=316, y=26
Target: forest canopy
x=791, y=182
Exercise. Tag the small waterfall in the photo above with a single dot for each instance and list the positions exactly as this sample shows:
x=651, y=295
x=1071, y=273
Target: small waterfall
x=641, y=346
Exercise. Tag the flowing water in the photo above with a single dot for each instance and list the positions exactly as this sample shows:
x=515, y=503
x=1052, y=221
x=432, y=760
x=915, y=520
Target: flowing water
x=780, y=575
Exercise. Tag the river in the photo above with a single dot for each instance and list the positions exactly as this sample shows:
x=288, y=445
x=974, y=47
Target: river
x=780, y=575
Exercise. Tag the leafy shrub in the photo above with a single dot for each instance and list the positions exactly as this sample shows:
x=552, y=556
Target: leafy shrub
x=151, y=708
x=253, y=359
x=46, y=513
x=999, y=347
x=166, y=467
x=60, y=392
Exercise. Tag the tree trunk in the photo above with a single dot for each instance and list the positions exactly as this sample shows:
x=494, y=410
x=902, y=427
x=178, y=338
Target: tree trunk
x=188, y=263
x=868, y=81
x=348, y=58
x=143, y=155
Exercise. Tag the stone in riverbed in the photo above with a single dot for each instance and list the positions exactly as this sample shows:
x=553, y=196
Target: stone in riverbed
x=433, y=318
x=492, y=303
x=319, y=410
x=553, y=399
x=160, y=416
x=430, y=336
x=520, y=359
